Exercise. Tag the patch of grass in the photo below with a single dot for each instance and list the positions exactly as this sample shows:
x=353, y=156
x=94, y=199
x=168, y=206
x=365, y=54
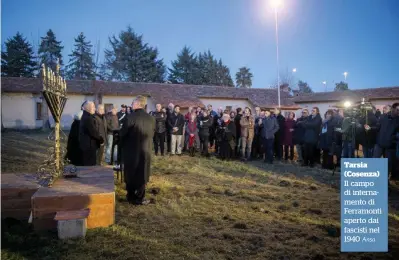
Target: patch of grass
x=204, y=209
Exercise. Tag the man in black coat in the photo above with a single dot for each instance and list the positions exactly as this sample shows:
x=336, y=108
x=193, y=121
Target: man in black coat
x=169, y=112
x=136, y=138
x=205, y=124
x=366, y=134
x=237, y=123
x=176, y=124
x=74, y=153
x=122, y=114
x=160, y=129
x=299, y=132
x=89, y=136
x=279, y=136
x=311, y=137
x=102, y=129
x=388, y=127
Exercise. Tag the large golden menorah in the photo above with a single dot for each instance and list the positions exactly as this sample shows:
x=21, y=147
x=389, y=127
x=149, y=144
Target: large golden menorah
x=54, y=92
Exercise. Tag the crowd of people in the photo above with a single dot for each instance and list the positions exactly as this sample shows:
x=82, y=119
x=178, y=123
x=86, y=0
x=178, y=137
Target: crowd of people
x=242, y=134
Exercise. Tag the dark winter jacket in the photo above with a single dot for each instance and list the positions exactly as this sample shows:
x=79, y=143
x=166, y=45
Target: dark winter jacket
x=387, y=126
x=230, y=131
x=279, y=136
x=337, y=135
x=102, y=126
x=160, y=119
x=176, y=120
x=168, y=115
x=288, y=134
x=299, y=131
x=89, y=136
x=136, y=141
x=121, y=117
x=74, y=153
x=367, y=138
x=312, y=129
x=237, y=120
x=269, y=127
x=257, y=127
x=112, y=123
x=205, y=124
x=326, y=134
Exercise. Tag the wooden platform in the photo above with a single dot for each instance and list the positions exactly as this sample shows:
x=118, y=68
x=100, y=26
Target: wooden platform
x=16, y=193
x=93, y=189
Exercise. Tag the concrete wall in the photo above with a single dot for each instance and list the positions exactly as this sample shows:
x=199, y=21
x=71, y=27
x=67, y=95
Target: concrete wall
x=72, y=107
x=379, y=104
x=19, y=110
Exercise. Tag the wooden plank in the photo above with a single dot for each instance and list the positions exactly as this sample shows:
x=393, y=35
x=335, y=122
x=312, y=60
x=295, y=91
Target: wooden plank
x=73, y=201
x=72, y=214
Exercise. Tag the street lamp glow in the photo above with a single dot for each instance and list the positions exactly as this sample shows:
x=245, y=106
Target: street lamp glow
x=347, y=104
x=276, y=4
x=294, y=70
x=345, y=74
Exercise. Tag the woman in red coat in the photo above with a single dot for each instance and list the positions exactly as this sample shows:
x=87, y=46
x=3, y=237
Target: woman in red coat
x=288, y=134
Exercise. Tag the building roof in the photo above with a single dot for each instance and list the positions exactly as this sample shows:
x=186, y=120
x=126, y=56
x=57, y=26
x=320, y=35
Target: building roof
x=352, y=95
x=178, y=94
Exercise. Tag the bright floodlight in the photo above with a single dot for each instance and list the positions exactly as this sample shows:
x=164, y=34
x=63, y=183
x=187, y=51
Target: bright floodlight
x=276, y=4
x=324, y=82
x=347, y=104
x=294, y=70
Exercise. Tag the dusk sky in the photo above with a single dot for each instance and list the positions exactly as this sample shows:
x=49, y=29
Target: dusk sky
x=321, y=38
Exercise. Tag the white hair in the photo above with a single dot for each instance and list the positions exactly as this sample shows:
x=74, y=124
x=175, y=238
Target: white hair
x=78, y=115
x=88, y=104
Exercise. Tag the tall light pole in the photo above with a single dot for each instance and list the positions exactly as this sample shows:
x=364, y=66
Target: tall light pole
x=345, y=75
x=276, y=4
x=325, y=85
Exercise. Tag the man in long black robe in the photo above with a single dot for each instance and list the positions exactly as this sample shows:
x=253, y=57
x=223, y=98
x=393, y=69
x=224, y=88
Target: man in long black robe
x=74, y=153
x=89, y=137
x=136, y=141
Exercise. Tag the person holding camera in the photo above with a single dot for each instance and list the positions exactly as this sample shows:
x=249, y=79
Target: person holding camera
x=247, y=124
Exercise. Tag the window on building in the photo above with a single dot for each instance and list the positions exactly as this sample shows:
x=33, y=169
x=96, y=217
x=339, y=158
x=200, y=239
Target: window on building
x=39, y=111
x=108, y=107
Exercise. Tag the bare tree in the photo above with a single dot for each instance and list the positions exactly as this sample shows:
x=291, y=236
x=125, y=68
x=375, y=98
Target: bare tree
x=286, y=78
